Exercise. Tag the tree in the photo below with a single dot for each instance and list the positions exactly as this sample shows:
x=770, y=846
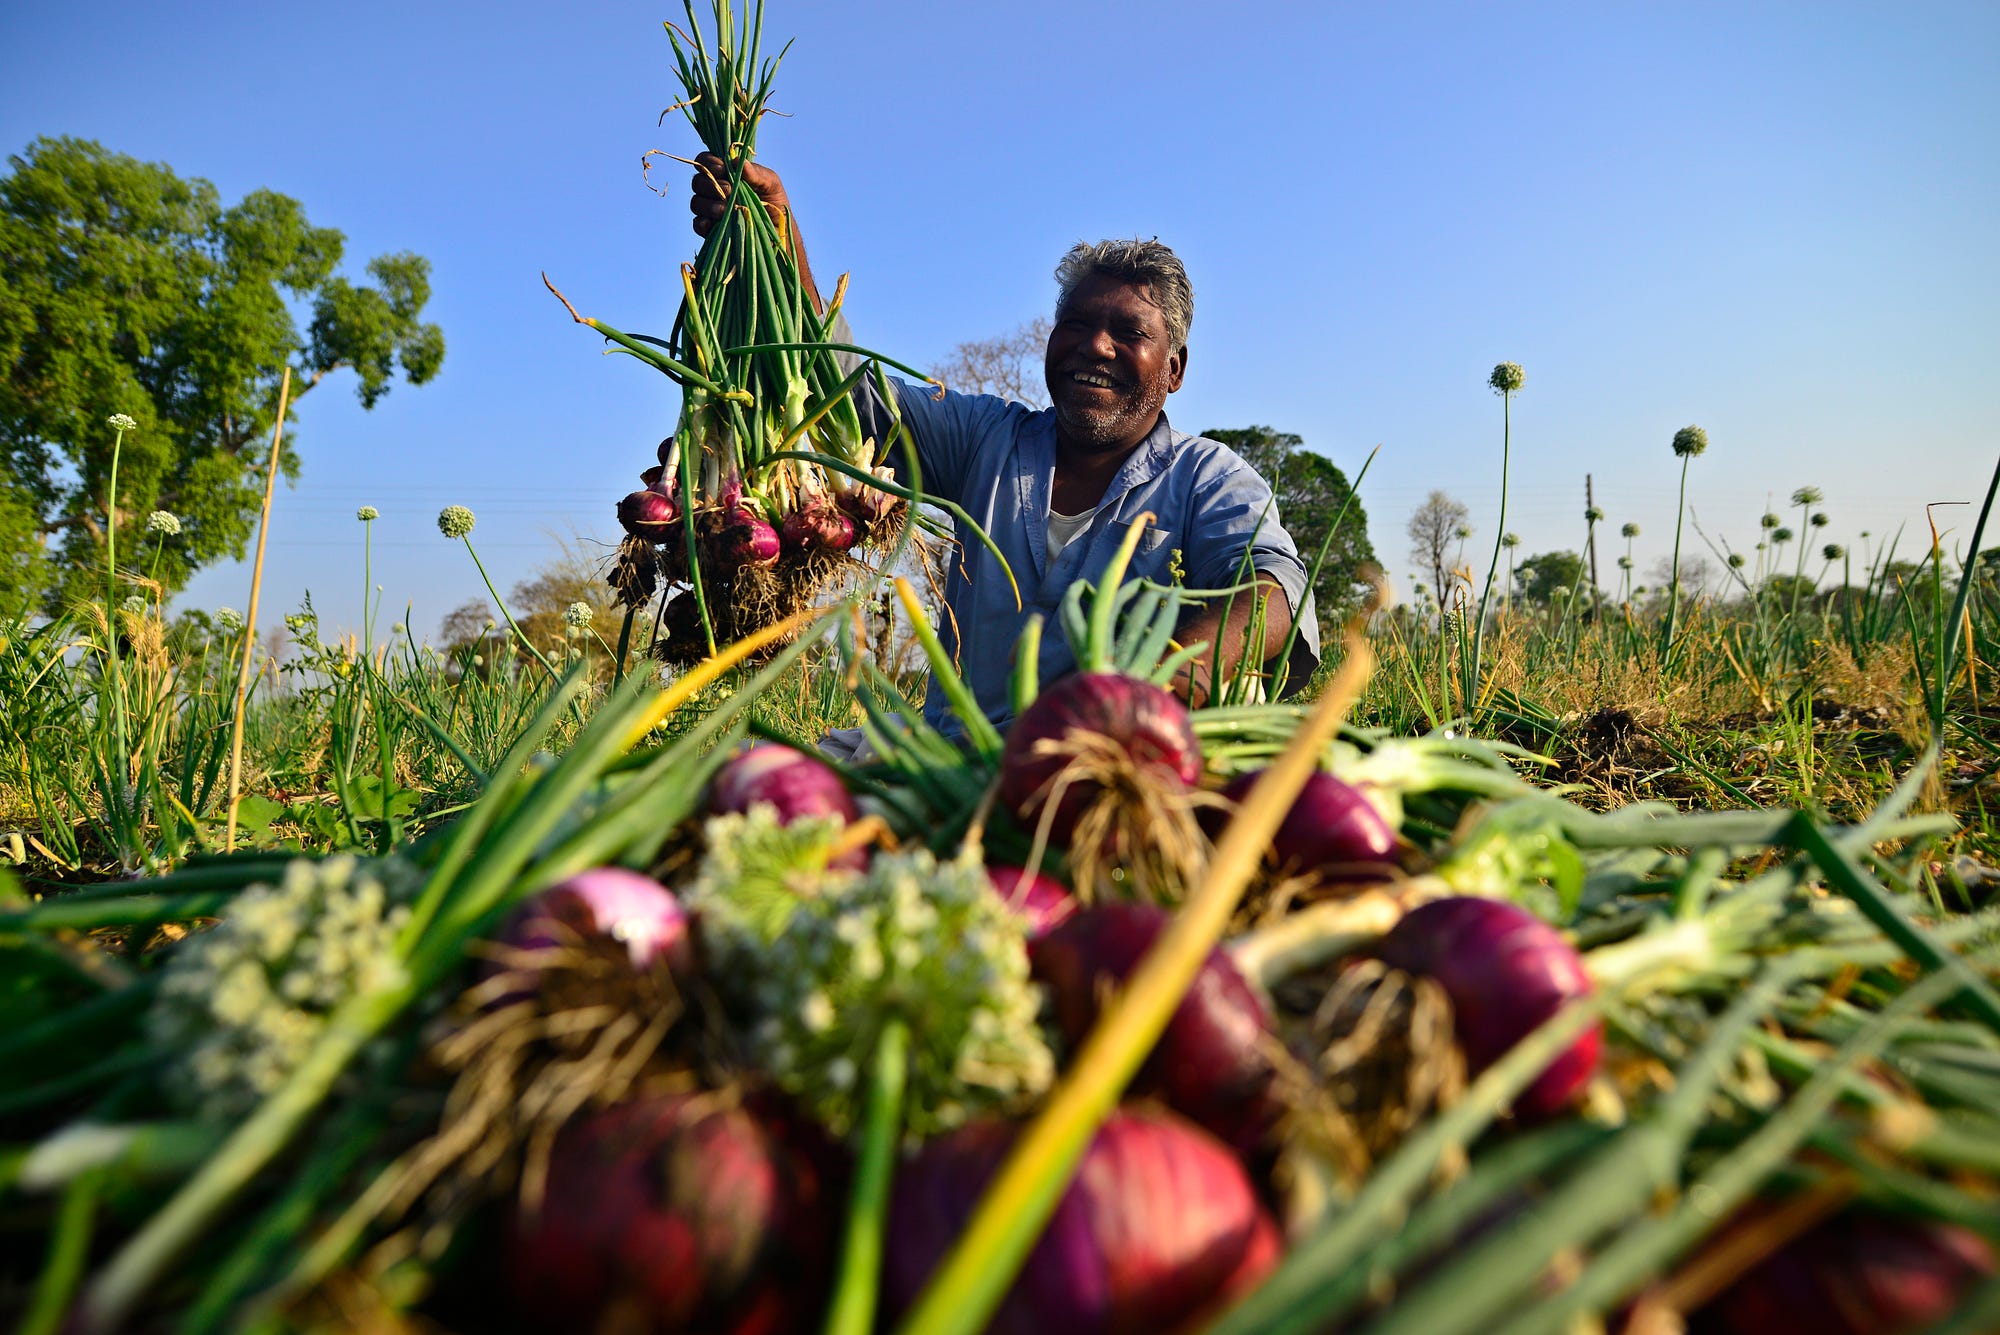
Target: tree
x=1310, y=491
x=1009, y=365
x=133, y=290
x=1539, y=577
x=1433, y=535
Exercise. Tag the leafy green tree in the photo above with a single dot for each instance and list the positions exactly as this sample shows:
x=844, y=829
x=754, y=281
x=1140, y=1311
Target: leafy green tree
x=1537, y=578
x=131, y=289
x=1310, y=490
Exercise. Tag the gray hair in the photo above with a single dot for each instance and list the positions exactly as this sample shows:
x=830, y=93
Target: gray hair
x=1146, y=262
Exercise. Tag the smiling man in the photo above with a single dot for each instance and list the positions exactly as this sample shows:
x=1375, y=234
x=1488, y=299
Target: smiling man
x=1058, y=488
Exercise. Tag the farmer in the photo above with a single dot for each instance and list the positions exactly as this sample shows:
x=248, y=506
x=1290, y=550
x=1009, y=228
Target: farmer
x=1058, y=489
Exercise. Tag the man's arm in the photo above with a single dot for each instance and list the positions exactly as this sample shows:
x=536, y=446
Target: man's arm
x=1196, y=682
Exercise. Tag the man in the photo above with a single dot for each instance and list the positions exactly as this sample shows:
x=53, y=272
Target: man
x=1058, y=489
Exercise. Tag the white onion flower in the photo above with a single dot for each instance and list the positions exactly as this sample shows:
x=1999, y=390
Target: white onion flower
x=455, y=521
x=163, y=522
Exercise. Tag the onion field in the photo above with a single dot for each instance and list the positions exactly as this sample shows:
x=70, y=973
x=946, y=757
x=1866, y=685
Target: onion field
x=1625, y=962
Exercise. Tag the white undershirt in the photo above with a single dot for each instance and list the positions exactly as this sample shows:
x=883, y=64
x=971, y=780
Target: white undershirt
x=1064, y=528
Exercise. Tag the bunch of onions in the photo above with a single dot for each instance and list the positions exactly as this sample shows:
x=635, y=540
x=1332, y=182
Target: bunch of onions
x=1332, y=830
x=769, y=444
x=1505, y=971
x=1040, y=900
x=1212, y=1063
x=1159, y=1226
x=663, y=1214
x=1857, y=1273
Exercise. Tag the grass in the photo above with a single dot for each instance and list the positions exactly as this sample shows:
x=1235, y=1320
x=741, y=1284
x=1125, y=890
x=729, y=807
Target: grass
x=1776, y=693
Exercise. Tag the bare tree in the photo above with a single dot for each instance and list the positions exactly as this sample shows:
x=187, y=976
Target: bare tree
x=1433, y=535
x=1009, y=365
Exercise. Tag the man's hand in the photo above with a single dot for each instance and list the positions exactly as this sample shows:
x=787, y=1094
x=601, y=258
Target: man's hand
x=711, y=193
x=1196, y=682
x=708, y=201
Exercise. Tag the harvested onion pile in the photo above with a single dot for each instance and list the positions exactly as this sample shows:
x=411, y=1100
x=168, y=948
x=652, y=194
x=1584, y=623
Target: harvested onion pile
x=713, y=1038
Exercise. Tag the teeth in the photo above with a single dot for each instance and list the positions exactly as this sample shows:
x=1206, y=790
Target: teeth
x=1086, y=378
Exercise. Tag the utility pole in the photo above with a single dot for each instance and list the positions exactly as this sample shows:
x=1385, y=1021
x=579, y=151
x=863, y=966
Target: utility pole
x=1590, y=502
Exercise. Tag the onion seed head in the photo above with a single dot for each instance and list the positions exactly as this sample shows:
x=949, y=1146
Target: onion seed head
x=1690, y=442
x=1142, y=720
x=455, y=521
x=1507, y=377
x=1505, y=971
x=1159, y=1224
x=1211, y=1063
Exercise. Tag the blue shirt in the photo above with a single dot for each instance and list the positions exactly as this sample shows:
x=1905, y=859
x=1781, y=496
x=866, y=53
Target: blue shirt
x=997, y=459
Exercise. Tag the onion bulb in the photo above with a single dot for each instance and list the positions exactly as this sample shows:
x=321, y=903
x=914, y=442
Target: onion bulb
x=1211, y=1063
x=1159, y=1223
x=818, y=528
x=1505, y=971
x=1145, y=725
x=649, y=515
x=1039, y=900
x=1332, y=829
x=1854, y=1274
x=795, y=784
x=610, y=903
x=792, y=781
x=655, y=1215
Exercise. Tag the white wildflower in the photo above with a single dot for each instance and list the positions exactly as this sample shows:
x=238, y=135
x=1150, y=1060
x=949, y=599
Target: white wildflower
x=164, y=522
x=122, y=422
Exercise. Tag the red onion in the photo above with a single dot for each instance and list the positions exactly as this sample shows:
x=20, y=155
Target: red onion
x=792, y=781
x=748, y=540
x=1157, y=1224
x=648, y=515
x=818, y=528
x=865, y=505
x=1854, y=1274
x=606, y=902
x=662, y=1210
x=796, y=784
x=668, y=451
x=1506, y=971
x=1040, y=900
x=1210, y=1064
x=1331, y=828
x=1144, y=720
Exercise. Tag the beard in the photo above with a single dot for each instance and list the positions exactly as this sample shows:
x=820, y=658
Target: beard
x=1096, y=428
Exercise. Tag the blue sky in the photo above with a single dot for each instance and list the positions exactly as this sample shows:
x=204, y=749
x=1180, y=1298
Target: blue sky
x=1776, y=221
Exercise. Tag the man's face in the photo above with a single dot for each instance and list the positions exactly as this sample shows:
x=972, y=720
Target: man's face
x=1110, y=365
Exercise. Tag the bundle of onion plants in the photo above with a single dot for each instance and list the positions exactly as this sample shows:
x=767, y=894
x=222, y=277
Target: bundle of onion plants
x=768, y=485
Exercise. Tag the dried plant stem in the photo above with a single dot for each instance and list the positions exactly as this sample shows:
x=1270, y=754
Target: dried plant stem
x=250, y=620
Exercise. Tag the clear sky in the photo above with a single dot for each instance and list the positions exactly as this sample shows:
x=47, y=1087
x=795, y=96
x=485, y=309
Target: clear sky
x=1776, y=221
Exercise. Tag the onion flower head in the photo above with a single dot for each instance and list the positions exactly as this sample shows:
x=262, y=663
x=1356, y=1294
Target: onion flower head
x=241, y=1005
x=912, y=939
